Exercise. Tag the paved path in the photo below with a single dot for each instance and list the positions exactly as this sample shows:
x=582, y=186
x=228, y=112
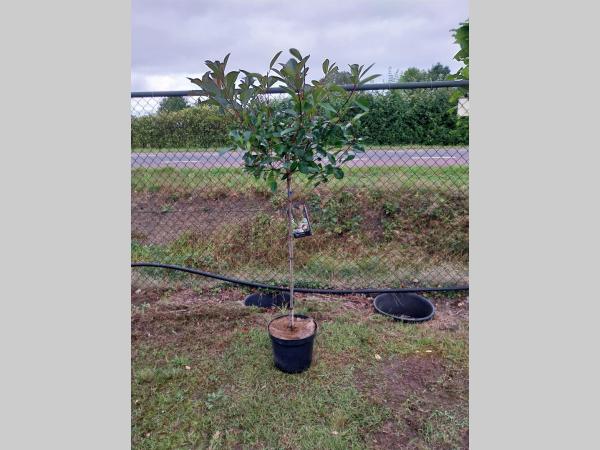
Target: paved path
x=441, y=157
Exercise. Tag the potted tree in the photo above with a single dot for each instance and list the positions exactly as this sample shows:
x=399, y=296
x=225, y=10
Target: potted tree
x=310, y=135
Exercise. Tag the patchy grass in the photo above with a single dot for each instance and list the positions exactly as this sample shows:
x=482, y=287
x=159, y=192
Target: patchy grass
x=203, y=377
x=361, y=238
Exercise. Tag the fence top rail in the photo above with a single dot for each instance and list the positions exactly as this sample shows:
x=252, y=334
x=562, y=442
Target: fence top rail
x=348, y=87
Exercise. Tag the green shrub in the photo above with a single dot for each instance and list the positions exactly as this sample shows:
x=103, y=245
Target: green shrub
x=420, y=117
x=196, y=127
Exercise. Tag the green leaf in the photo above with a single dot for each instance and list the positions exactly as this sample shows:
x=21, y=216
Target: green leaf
x=251, y=74
x=328, y=107
x=358, y=116
x=363, y=103
x=286, y=131
x=367, y=69
x=211, y=65
x=338, y=173
x=369, y=78
x=295, y=53
x=303, y=167
x=274, y=60
x=232, y=77
x=302, y=63
x=272, y=184
x=358, y=148
x=337, y=88
x=325, y=66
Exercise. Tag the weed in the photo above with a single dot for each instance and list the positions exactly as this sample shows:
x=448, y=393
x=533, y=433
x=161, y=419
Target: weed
x=144, y=375
x=180, y=361
x=214, y=398
x=390, y=208
x=338, y=214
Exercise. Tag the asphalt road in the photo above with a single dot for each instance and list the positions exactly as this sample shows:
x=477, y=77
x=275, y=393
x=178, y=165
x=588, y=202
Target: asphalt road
x=441, y=157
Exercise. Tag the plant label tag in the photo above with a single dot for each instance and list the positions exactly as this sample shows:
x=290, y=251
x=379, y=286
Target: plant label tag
x=300, y=221
x=463, y=107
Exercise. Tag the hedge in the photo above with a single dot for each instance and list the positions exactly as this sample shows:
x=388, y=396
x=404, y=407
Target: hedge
x=195, y=127
x=413, y=117
x=423, y=117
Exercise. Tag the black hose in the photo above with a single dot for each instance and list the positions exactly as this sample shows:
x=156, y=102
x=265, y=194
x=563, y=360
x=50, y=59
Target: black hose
x=303, y=290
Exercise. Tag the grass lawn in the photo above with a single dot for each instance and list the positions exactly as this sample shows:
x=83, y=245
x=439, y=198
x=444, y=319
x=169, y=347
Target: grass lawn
x=203, y=377
x=369, y=147
x=227, y=180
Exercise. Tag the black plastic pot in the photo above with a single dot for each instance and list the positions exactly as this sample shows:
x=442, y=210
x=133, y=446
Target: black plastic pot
x=268, y=300
x=292, y=355
x=406, y=307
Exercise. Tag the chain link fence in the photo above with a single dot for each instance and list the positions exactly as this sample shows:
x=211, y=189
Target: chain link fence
x=398, y=218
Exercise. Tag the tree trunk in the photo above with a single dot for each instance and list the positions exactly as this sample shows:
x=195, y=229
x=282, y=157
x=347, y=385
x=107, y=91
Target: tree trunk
x=290, y=248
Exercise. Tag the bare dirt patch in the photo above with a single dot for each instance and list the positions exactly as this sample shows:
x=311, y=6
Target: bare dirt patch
x=160, y=218
x=418, y=389
x=187, y=318
x=398, y=379
x=450, y=314
x=150, y=295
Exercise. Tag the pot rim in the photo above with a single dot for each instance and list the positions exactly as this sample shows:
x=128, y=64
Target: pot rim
x=406, y=319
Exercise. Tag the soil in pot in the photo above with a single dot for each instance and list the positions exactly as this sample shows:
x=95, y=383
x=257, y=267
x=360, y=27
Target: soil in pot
x=303, y=328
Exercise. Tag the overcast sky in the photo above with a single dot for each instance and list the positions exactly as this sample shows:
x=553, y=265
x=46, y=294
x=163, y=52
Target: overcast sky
x=171, y=39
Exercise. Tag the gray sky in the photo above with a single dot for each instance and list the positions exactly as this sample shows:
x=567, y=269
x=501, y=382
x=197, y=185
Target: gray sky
x=171, y=39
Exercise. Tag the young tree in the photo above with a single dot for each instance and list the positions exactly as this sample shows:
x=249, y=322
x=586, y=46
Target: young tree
x=341, y=77
x=314, y=134
x=437, y=72
x=171, y=104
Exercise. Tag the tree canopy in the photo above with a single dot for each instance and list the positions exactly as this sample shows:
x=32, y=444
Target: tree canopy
x=437, y=72
x=314, y=133
x=172, y=104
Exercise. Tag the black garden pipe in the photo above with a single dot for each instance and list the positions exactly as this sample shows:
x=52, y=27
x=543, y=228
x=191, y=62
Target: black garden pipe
x=299, y=289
